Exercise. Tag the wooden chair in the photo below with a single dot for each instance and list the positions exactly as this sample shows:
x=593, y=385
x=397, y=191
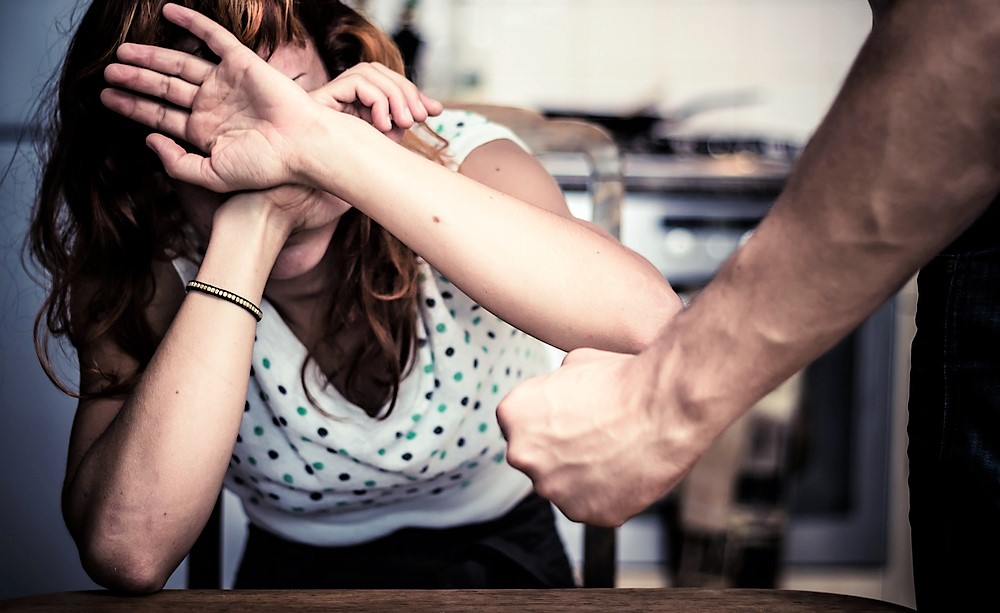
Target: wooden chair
x=606, y=186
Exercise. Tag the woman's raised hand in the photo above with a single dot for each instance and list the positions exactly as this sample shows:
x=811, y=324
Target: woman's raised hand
x=380, y=96
x=245, y=114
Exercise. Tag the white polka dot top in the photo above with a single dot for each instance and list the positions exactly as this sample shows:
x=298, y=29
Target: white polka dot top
x=437, y=460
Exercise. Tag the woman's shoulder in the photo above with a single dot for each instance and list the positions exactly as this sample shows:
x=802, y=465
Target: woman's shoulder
x=466, y=130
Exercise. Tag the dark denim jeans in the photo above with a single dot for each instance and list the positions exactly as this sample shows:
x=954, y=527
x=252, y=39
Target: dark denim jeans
x=954, y=425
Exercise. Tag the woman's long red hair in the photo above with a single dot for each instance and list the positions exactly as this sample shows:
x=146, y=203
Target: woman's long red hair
x=105, y=211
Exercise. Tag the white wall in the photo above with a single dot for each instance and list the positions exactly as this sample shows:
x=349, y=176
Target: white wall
x=626, y=55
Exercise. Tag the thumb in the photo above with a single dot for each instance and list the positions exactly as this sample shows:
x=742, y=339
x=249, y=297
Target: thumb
x=182, y=165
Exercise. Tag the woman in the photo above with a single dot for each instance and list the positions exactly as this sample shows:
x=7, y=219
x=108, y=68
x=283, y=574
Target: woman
x=362, y=405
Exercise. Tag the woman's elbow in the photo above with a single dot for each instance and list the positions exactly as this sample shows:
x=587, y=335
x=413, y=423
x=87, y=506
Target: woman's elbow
x=650, y=313
x=130, y=569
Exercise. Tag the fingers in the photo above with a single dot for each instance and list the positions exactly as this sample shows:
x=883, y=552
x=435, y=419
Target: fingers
x=156, y=115
x=188, y=67
x=220, y=40
x=171, y=89
x=391, y=99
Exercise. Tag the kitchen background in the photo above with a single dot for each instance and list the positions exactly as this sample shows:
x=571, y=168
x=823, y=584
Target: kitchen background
x=676, y=80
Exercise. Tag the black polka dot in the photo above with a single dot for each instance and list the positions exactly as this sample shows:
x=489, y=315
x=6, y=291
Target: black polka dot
x=274, y=420
x=282, y=421
x=309, y=469
x=476, y=406
x=407, y=456
x=430, y=302
x=239, y=481
x=446, y=295
x=236, y=458
x=429, y=395
x=461, y=442
x=281, y=388
x=322, y=431
x=475, y=362
x=331, y=450
x=465, y=401
x=344, y=477
x=490, y=334
x=273, y=496
x=239, y=438
x=360, y=492
x=251, y=371
x=421, y=343
x=246, y=406
x=456, y=477
x=424, y=469
x=399, y=435
x=316, y=496
x=484, y=451
x=460, y=124
x=437, y=383
x=474, y=307
x=450, y=351
x=437, y=490
x=438, y=430
x=271, y=453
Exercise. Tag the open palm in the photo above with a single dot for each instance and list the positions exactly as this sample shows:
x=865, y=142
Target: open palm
x=242, y=112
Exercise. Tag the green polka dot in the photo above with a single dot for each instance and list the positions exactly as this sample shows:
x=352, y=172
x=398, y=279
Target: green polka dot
x=381, y=451
x=472, y=464
x=343, y=451
x=369, y=483
x=288, y=478
x=498, y=458
x=266, y=362
x=458, y=376
x=435, y=452
x=483, y=427
x=468, y=337
x=254, y=479
x=301, y=410
x=440, y=128
x=318, y=465
x=415, y=417
x=496, y=388
x=298, y=510
x=252, y=460
x=453, y=312
x=411, y=435
x=486, y=349
x=258, y=430
x=443, y=453
x=441, y=327
x=476, y=320
x=442, y=408
x=429, y=368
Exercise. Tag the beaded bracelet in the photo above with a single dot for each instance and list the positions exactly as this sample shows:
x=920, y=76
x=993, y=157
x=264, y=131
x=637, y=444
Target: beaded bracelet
x=218, y=292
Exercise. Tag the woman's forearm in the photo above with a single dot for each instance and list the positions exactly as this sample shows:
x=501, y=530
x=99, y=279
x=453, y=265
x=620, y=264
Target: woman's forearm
x=139, y=497
x=544, y=273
